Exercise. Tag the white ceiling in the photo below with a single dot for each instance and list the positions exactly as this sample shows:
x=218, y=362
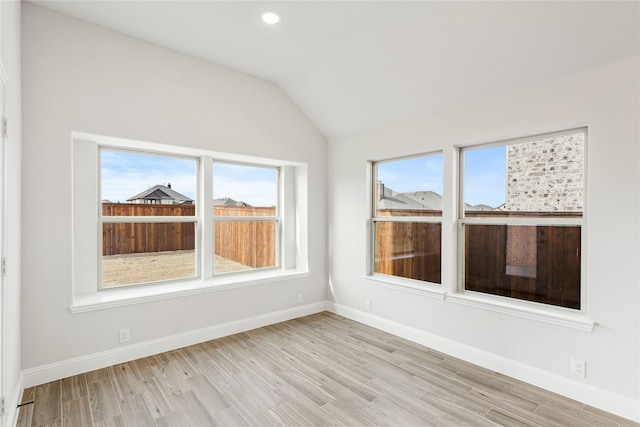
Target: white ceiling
x=354, y=66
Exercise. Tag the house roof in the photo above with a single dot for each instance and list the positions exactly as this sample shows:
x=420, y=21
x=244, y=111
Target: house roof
x=423, y=200
x=228, y=201
x=161, y=192
x=428, y=200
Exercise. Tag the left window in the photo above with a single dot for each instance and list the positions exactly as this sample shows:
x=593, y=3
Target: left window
x=178, y=219
x=147, y=218
x=407, y=218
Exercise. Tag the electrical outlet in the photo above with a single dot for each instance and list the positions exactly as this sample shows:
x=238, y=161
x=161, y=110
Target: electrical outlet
x=367, y=304
x=578, y=368
x=299, y=298
x=124, y=335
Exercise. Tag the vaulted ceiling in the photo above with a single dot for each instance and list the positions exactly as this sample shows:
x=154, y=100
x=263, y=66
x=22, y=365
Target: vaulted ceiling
x=355, y=66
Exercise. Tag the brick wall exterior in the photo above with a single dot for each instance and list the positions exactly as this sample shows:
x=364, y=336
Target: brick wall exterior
x=546, y=175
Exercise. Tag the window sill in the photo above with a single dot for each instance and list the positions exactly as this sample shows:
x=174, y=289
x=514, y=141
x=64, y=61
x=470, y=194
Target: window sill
x=548, y=314
x=408, y=285
x=141, y=294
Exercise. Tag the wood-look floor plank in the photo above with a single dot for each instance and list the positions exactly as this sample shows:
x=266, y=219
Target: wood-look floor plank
x=193, y=410
x=25, y=416
x=77, y=413
x=173, y=377
x=504, y=419
x=321, y=370
x=111, y=422
x=460, y=412
x=157, y=397
x=212, y=399
x=135, y=412
x=513, y=410
x=360, y=405
x=97, y=375
x=141, y=369
x=308, y=409
x=74, y=388
x=123, y=380
x=286, y=415
x=398, y=414
x=28, y=395
x=346, y=414
x=104, y=404
x=47, y=403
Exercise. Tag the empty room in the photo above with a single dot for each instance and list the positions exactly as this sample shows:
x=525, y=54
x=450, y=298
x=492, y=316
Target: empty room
x=334, y=213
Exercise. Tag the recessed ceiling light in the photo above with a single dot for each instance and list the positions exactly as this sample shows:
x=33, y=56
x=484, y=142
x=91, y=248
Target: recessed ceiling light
x=269, y=17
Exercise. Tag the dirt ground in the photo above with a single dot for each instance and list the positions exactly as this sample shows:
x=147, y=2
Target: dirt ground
x=119, y=270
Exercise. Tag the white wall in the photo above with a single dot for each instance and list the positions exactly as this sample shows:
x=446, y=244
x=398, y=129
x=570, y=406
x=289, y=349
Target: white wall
x=81, y=77
x=10, y=53
x=605, y=99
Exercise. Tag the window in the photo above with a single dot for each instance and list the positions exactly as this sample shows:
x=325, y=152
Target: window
x=178, y=219
x=246, y=218
x=407, y=218
x=521, y=221
x=148, y=224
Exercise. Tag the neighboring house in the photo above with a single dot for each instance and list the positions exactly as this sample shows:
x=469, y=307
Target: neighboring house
x=416, y=200
x=227, y=201
x=161, y=195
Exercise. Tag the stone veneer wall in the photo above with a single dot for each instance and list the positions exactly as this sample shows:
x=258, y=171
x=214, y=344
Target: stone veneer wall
x=546, y=175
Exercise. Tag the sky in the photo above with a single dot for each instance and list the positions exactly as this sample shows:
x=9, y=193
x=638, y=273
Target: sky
x=484, y=175
x=125, y=174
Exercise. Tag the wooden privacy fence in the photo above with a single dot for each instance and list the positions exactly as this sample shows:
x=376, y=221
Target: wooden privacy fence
x=535, y=263
x=251, y=243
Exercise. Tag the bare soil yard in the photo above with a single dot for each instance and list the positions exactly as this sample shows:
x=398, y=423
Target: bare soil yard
x=119, y=270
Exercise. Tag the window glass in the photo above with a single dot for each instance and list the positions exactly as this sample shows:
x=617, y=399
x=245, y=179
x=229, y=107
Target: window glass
x=244, y=245
x=137, y=184
x=535, y=178
x=144, y=252
x=409, y=187
x=244, y=191
x=409, y=249
x=134, y=184
x=522, y=218
x=533, y=263
x=407, y=226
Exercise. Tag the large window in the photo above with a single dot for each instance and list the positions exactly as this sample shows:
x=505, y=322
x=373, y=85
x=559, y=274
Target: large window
x=521, y=221
x=407, y=218
x=179, y=219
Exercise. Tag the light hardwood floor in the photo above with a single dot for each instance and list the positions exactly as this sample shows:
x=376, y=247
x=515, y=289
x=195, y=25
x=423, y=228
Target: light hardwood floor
x=318, y=370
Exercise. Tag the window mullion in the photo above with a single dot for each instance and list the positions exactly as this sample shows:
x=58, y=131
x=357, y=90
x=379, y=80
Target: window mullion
x=205, y=212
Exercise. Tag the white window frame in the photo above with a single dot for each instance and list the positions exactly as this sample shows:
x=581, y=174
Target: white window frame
x=571, y=317
x=87, y=220
x=397, y=282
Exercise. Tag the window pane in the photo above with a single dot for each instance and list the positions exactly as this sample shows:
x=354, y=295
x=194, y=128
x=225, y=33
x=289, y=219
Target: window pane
x=409, y=187
x=244, y=245
x=409, y=249
x=536, y=178
x=534, y=263
x=136, y=184
x=147, y=252
x=241, y=190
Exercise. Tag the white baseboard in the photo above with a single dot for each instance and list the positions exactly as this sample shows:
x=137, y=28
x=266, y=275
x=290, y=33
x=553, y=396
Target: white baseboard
x=614, y=403
x=78, y=365
x=12, y=406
